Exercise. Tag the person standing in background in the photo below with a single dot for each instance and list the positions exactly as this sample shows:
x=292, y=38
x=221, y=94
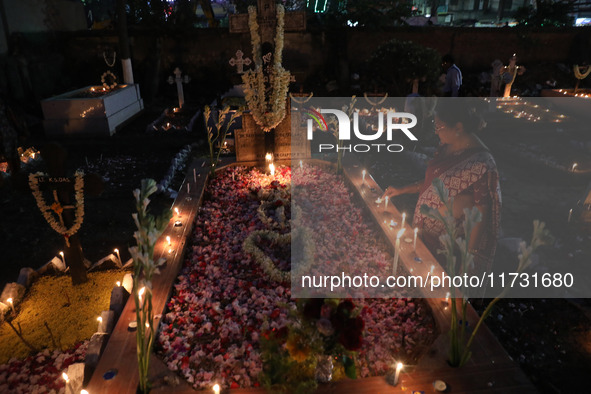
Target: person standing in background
x=453, y=77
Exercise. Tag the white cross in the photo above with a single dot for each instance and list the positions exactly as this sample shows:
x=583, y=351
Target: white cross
x=179, y=84
x=239, y=62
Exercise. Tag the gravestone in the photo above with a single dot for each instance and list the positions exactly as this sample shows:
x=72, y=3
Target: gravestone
x=62, y=186
x=288, y=143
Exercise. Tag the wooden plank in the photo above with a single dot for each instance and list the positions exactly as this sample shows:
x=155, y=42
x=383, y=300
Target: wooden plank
x=120, y=352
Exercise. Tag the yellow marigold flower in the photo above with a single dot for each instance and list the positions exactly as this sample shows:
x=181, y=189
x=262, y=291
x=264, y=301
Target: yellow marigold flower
x=57, y=208
x=298, y=349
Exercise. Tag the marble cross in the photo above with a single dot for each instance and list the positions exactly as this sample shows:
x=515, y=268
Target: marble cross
x=240, y=62
x=179, y=84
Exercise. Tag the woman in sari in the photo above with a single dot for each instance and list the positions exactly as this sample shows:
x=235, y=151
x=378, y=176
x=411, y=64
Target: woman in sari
x=468, y=171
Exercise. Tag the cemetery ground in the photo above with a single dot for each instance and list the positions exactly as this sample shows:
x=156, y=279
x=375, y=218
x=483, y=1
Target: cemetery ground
x=550, y=339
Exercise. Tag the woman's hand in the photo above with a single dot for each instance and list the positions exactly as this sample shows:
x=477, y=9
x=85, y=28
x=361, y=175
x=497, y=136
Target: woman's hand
x=391, y=192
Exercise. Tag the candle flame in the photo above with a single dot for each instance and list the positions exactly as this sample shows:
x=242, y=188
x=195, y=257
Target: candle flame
x=65, y=377
x=83, y=391
x=216, y=388
x=116, y=250
x=118, y=283
x=99, y=319
x=141, y=292
x=272, y=168
x=399, y=366
x=62, y=254
x=9, y=300
x=400, y=233
x=268, y=157
x=168, y=239
x=176, y=210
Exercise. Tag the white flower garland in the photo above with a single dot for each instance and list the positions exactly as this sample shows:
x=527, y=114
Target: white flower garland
x=267, y=118
x=266, y=263
x=303, y=100
x=57, y=208
x=578, y=73
x=104, y=77
x=376, y=103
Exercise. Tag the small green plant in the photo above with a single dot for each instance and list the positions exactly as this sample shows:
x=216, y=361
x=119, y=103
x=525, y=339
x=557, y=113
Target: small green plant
x=454, y=247
x=149, y=229
x=219, y=135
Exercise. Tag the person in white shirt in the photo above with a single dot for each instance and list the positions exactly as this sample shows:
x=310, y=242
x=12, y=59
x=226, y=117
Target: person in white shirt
x=453, y=77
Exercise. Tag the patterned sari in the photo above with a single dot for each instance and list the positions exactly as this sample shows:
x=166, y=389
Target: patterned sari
x=470, y=172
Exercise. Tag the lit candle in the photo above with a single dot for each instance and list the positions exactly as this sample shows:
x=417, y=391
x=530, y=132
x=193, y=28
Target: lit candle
x=363, y=176
x=397, y=374
x=118, y=283
x=272, y=168
x=447, y=297
x=118, y=255
x=386, y=203
x=83, y=391
x=168, y=240
x=268, y=157
x=65, y=377
x=140, y=294
x=414, y=242
x=99, y=319
x=570, y=213
x=432, y=269
x=301, y=165
x=397, y=251
x=574, y=166
x=176, y=210
x=63, y=258
x=216, y=388
x=11, y=304
x=403, y=219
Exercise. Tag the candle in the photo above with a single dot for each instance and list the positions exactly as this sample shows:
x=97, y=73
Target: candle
x=63, y=258
x=11, y=304
x=570, y=213
x=432, y=269
x=118, y=255
x=65, y=377
x=574, y=166
x=118, y=283
x=363, y=176
x=447, y=297
x=99, y=319
x=386, y=203
x=195, y=176
x=176, y=210
x=216, y=388
x=397, y=251
x=414, y=242
x=83, y=391
x=168, y=240
x=301, y=165
x=268, y=157
x=397, y=374
x=140, y=295
x=272, y=168
x=403, y=219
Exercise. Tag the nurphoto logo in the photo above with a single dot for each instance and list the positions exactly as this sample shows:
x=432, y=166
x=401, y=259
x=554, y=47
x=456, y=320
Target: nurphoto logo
x=402, y=121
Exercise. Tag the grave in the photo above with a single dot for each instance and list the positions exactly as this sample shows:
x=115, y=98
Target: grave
x=79, y=113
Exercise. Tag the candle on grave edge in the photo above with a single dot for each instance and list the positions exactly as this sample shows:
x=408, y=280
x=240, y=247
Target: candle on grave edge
x=397, y=251
x=397, y=373
x=414, y=242
x=386, y=203
x=403, y=219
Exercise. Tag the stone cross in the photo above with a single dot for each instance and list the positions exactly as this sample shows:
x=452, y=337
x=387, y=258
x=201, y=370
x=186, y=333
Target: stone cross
x=55, y=157
x=267, y=20
x=179, y=84
x=239, y=62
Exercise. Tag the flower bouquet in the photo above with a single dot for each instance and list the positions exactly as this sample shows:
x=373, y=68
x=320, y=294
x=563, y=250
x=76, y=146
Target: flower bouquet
x=320, y=342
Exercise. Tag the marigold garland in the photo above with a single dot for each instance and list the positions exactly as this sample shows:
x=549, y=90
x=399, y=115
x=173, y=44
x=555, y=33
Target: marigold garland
x=57, y=208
